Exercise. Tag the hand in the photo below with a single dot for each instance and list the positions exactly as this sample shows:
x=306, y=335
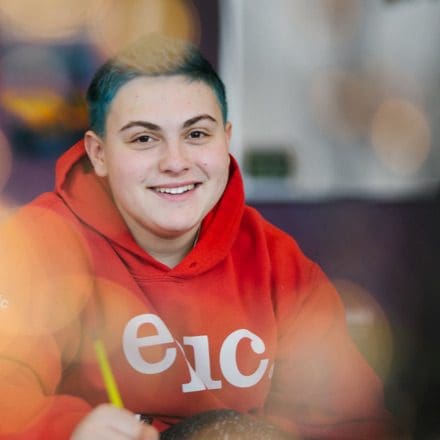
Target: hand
x=107, y=422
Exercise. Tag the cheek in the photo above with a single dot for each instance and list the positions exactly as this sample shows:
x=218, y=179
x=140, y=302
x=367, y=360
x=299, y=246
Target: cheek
x=219, y=174
x=119, y=175
x=216, y=164
x=127, y=169
x=223, y=169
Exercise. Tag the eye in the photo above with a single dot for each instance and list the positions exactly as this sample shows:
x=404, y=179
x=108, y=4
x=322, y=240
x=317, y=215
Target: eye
x=143, y=139
x=197, y=134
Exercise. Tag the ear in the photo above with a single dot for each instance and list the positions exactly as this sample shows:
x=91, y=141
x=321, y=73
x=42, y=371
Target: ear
x=95, y=150
x=228, y=133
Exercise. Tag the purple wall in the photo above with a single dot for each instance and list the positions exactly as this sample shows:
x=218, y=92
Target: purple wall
x=393, y=250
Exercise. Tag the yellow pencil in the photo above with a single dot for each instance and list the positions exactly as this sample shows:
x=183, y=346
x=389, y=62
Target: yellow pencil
x=107, y=374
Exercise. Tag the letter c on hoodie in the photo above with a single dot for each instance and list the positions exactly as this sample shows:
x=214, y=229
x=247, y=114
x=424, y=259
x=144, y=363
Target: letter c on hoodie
x=131, y=344
x=228, y=359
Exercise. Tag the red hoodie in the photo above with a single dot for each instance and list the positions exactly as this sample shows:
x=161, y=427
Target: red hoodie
x=245, y=321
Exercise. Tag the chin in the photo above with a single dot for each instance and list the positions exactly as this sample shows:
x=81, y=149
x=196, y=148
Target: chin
x=176, y=230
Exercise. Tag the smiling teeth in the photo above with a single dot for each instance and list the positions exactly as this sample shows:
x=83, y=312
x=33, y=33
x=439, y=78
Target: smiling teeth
x=178, y=190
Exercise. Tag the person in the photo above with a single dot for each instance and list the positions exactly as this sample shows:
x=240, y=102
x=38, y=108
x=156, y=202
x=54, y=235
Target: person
x=146, y=244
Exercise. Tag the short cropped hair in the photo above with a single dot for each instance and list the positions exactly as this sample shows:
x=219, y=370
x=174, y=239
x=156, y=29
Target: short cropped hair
x=152, y=55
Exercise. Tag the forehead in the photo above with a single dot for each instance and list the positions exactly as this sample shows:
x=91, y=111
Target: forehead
x=162, y=98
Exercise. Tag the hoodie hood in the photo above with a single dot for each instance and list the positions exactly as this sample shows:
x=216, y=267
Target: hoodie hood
x=89, y=198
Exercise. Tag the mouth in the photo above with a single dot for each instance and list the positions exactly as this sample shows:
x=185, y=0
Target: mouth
x=176, y=190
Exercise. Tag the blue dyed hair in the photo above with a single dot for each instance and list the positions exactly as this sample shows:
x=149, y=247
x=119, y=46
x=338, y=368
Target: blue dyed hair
x=153, y=55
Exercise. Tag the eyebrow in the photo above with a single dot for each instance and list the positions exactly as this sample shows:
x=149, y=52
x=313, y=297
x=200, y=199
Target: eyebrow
x=155, y=127
x=196, y=119
x=145, y=124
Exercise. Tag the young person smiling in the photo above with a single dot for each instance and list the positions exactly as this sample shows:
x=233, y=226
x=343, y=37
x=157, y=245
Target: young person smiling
x=165, y=155
x=146, y=243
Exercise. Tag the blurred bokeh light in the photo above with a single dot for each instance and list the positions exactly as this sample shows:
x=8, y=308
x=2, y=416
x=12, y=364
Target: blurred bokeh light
x=114, y=24
x=344, y=104
x=401, y=136
x=6, y=208
x=35, y=84
x=45, y=21
x=368, y=325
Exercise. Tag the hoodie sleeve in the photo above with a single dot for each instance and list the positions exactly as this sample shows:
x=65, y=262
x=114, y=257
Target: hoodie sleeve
x=322, y=387
x=44, y=286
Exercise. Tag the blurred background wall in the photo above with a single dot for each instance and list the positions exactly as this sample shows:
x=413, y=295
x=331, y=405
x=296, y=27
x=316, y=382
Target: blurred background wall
x=347, y=91
x=335, y=106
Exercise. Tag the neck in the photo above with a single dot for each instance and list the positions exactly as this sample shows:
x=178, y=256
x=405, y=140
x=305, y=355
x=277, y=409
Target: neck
x=172, y=251
x=168, y=250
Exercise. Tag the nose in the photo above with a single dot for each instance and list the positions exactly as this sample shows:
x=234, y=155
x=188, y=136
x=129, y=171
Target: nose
x=175, y=158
